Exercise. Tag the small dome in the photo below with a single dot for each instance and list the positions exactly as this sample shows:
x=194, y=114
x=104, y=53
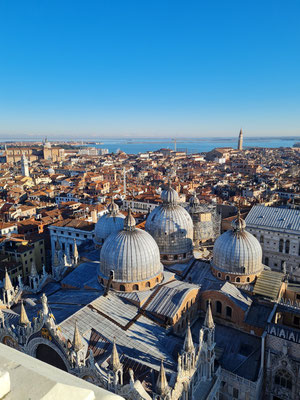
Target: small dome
x=172, y=228
x=169, y=195
x=237, y=251
x=50, y=171
x=113, y=208
x=131, y=254
x=194, y=205
x=129, y=223
x=113, y=221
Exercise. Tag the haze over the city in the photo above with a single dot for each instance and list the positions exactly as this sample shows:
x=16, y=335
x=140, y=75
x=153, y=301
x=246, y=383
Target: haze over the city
x=98, y=69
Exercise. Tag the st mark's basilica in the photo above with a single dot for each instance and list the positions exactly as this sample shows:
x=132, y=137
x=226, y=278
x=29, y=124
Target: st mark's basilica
x=140, y=315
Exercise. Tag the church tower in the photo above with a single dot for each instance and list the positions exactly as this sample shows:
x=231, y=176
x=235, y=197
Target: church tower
x=240, y=143
x=24, y=166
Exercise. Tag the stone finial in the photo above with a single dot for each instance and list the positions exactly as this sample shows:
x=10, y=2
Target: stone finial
x=188, y=341
x=7, y=282
x=114, y=361
x=24, y=321
x=129, y=223
x=33, y=271
x=162, y=386
x=75, y=252
x=209, y=322
x=77, y=342
x=55, y=259
x=57, y=246
x=113, y=208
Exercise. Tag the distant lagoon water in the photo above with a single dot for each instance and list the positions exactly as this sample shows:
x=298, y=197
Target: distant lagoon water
x=135, y=146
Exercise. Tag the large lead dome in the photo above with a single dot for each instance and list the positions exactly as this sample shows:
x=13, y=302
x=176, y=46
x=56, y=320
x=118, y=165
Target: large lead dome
x=113, y=221
x=171, y=227
x=237, y=255
x=131, y=258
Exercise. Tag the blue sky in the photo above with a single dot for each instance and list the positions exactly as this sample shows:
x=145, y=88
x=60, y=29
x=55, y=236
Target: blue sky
x=159, y=68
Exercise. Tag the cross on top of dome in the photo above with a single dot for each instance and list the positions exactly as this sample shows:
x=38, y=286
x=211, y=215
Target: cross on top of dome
x=113, y=208
x=129, y=223
x=238, y=224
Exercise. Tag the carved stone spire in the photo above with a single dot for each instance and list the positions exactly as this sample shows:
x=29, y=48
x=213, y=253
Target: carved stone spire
x=33, y=271
x=75, y=252
x=55, y=259
x=114, y=361
x=188, y=341
x=57, y=246
x=24, y=321
x=77, y=342
x=7, y=281
x=162, y=386
x=209, y=322
x=129, y=223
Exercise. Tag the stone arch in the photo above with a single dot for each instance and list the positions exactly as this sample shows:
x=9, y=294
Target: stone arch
x=135, y=287
x=48, y=352
x=122, y=288
x=148, y=284
x=238, y=279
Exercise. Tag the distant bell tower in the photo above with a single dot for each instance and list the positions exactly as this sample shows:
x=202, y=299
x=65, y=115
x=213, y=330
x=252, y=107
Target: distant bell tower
x=24, y=165
x=240, y=144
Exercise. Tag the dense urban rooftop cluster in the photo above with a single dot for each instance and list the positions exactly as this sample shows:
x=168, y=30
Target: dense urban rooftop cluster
x=136, y=271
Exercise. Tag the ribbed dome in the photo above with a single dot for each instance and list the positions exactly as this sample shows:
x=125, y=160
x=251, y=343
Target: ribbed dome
x=169, y=196
x=131, y=253
x=237, y=251
x=108, y=223
x=171, y=225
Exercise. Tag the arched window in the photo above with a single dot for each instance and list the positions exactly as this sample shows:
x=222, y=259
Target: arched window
x=284, y=379
x=287, y=246
x=219, y=274
x=281, y=245
x=228, y=312
x=248, y=279
x=227, y=278
x=122, y=288
x=148, y=284
x=176, y=257
x=157, y=279
x=135, y=287
x=218, y=307
x=238, y=279
x=261, y=239
x=267, y=261
x=165, y=257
